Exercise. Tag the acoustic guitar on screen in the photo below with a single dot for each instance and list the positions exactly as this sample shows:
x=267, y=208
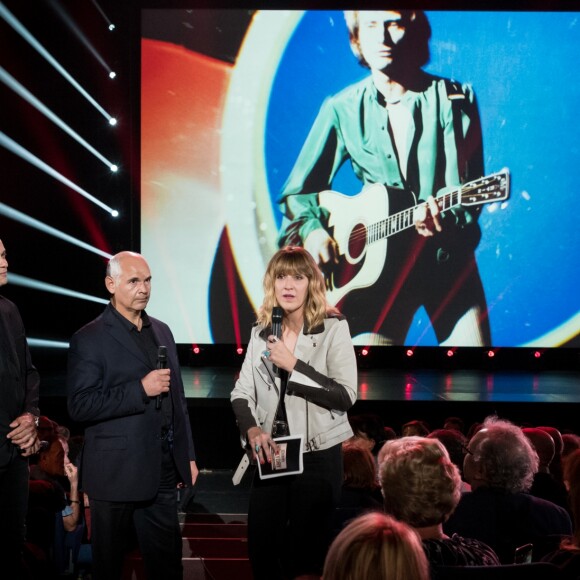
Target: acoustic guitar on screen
x=362, y=240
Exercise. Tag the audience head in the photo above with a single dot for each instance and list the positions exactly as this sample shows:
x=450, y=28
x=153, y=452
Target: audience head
x=556, y=464
x=415, y=428
x=454, y=424
x=376, y=547
x=572, y=482
x=420, y=484
x=51, y=460
x=63, y=432
x=556, y=436
x=475, y=427
x=570, y=442
x=455, y=443
x=543, y=443
x=500, y=456
x=359, y=467
x=46, y=428
x=389, y=433
x=368, y=431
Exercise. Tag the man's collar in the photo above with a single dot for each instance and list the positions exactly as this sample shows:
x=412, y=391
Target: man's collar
x=146, y=321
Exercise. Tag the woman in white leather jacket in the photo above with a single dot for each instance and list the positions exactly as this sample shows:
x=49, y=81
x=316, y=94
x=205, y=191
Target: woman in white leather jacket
x=303, y=376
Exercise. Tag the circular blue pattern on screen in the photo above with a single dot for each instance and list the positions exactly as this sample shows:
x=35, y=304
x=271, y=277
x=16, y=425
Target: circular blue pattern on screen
x=523, y=68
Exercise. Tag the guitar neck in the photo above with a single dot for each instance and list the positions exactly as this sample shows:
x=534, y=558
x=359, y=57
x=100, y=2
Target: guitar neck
x=405, y=219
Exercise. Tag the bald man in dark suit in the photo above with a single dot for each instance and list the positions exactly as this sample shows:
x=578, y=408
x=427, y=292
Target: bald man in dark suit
x=138, y=445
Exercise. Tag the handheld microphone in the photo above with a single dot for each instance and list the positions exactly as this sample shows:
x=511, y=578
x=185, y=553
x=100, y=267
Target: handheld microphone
x=161, y=364
x=277, y=314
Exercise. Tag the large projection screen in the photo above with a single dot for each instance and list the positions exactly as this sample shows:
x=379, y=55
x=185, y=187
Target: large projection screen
x=228, y=99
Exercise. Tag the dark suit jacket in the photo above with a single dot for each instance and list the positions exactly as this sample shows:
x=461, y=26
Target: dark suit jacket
x=506, y=521
x=19, y=380
x=121, y=458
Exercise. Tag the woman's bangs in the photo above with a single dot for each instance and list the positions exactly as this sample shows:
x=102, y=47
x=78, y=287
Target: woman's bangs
x=291, y=265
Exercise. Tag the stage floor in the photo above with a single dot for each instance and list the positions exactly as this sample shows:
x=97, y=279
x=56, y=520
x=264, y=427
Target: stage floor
x=539, y=398
x=392, y=385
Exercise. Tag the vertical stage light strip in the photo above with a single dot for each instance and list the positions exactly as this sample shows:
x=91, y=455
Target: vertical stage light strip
x=12, y=83
x=17, y=149
x=38, y=225
x=20, y=29
x=25, y=282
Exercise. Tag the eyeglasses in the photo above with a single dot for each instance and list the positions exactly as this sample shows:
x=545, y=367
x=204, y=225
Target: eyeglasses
x=466, y=450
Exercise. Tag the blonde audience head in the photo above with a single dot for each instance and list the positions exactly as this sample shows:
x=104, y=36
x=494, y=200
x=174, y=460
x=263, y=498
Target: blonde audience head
x=376, y=547
x=420, y=484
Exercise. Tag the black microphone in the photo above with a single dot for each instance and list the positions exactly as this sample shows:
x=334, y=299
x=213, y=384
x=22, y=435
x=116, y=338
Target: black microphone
x=277, y=314
x=161, y=364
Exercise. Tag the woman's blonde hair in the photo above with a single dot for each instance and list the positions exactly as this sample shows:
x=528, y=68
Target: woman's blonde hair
x=376, y=547
x=420, y=484
x=293, y=260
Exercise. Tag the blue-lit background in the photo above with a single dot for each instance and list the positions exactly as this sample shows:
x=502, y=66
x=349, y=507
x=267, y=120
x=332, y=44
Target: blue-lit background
x=523, y=67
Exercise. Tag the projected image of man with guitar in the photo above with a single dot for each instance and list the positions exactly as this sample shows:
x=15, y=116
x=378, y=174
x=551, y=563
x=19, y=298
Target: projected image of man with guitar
x=408, y=239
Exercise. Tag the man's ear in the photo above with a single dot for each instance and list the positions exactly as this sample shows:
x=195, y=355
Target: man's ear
x=110, y=284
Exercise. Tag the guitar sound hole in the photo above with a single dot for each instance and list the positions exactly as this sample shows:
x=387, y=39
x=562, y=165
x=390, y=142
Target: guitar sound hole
x=357, y=241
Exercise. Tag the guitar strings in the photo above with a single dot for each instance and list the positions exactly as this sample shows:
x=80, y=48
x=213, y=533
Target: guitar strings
x=379, y=229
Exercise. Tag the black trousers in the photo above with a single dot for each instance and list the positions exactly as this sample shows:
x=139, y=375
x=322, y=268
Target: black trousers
x=290, y=518
x=155, y=523
x=13, y=507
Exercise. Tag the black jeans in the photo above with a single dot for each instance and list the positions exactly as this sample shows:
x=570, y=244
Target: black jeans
x=155, y=523
x=290, y=518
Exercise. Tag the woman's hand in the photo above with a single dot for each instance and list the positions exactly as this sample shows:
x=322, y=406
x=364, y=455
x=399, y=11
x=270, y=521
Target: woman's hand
x=279, y=354
x=262, y=445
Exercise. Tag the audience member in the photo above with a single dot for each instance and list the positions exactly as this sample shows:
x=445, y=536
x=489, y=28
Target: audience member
x=389, y=433
x=570, y=442
x=421, y=487
x=475, y=427
x=416, y=427
x=455, y=424
x=556, y=463
x=455, y=443
x=46, y=428
x=360, y=490
x=47, y=500
x=545, y=485
x=376, y=547
x=368, y=430
x=567, y=557
x=500, y=466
